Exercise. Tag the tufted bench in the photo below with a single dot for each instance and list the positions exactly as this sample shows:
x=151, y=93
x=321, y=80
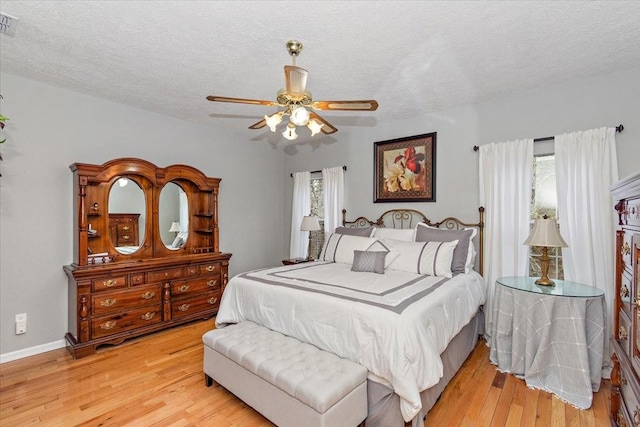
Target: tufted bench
x=289, y=382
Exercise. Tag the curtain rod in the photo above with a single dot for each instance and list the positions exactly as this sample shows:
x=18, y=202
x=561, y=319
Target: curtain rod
x=619, y=129
x=344, y=168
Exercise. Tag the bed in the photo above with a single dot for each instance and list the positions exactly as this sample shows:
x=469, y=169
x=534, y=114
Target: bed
x=398, y=295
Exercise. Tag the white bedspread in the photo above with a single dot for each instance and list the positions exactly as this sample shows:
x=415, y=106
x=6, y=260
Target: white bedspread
x=395, y=324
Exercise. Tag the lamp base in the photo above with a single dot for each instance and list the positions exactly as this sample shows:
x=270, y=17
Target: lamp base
x=545, y=281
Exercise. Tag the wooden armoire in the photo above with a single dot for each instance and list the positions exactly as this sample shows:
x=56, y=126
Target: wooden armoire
x=625, y=377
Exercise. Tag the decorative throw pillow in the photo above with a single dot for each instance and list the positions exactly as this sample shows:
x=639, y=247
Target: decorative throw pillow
x=405, y=234
x=432, y=258
x=464, y=253
x=379, y=245
x=352, y=231
x=368, y=261
x=339, y=247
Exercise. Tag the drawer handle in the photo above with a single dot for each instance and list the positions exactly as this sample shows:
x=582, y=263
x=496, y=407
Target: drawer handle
x=108, y=302
x=109, y=283
x=211, y=267
x=636, y=416
x=125, y=227
x=125, y=237
x=109, y=325
x=623, y=378
x=626, y=249
x=213, y=300
x=184, y=307
x=148, y=295
x=622, y=333
x=184, y=288
x=148, y=316
x=624, y=291
x=212, y=283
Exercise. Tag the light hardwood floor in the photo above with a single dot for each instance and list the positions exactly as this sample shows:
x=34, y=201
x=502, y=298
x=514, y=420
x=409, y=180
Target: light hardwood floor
x=157, y=380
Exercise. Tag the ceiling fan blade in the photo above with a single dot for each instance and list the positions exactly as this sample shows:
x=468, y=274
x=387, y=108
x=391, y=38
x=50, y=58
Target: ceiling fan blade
x=262, y=123
x=364, y=105
x=295, y=80
x=241, y=100
x=327, y=128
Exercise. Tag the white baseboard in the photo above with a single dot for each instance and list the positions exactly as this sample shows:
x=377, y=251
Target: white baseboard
x=31, y=351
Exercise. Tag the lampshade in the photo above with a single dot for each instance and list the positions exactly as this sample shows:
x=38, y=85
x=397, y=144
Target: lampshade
x=300, y=116
x=545, y=233
x=290, y=132
x=273, y=120
x=175, y=227
x=310, y=223
x=314, y=126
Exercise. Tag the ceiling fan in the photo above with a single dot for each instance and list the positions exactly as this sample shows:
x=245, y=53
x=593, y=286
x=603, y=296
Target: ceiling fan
x=295, y=101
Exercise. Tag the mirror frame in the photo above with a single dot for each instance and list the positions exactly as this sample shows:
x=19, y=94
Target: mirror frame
x=92, y=184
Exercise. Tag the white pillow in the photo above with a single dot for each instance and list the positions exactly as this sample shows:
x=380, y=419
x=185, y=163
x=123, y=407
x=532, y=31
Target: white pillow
x=405, y=234
x=379, y=245
x=432, y=258
x=339, y=247
x=471, y=251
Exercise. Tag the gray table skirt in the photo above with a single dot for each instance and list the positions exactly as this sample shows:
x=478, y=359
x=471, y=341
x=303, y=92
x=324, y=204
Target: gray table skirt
x=555, y=343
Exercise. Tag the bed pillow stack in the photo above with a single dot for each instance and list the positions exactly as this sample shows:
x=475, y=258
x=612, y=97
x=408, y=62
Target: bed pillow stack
x=464, y=253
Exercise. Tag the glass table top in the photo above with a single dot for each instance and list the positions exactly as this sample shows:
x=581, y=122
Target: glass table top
x=562, y=288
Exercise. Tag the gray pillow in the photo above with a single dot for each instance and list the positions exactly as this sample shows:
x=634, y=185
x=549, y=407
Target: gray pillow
x=352, y=231
x=460, y=253
x=368, y=261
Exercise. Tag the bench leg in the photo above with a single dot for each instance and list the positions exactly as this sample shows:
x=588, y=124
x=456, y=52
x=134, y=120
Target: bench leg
x=208, y=381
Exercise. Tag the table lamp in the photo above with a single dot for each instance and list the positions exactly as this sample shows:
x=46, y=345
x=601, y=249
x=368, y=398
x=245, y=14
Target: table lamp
x=545, y=234
x=175, y=228
x=310, y=223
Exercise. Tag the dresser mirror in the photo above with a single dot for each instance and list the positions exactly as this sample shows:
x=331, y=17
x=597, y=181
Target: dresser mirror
x=127, y=216
x=173, y=216
x=138, y=211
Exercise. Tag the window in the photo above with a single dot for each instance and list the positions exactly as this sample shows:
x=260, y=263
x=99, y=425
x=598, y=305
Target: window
x=544, y=201
x=317, y=209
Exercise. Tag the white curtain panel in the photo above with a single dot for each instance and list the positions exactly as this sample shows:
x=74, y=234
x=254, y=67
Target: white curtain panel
x=301, y=206
x=505, y=192
x=586, y=167
x=333, y=192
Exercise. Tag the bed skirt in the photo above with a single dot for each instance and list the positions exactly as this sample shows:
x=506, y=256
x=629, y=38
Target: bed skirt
x=384, y=404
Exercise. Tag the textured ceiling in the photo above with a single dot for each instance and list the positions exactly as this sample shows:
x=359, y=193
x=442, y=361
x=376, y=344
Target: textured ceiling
x=412, y=57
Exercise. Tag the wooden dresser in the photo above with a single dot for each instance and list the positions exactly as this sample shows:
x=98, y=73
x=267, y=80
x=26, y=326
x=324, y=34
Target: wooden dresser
x=625, y=377
x=121, y=286
x=123, y=229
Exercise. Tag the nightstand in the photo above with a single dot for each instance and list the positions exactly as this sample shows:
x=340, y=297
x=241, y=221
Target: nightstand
x=552, y=336
x=292, y=261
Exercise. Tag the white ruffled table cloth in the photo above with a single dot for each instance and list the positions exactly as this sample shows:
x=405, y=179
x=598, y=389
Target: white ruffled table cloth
x=553, y=337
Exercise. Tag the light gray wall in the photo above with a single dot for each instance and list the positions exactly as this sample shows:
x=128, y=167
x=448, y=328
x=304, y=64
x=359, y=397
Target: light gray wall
x=607, y=100
x=51, y=128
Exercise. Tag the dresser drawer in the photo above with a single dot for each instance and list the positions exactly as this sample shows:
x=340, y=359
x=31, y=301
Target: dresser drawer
x=625, y=293
x=194, y=305
x=190, y=287
x=623, y=334
x=626, y=251
x=108, y=283
x=163, y=275
x=629, y=399
x=112, y=302
x=109, y=325
x=211, y=268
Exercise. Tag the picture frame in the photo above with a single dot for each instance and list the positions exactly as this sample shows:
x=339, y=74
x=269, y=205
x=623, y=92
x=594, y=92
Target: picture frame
x=405, y=169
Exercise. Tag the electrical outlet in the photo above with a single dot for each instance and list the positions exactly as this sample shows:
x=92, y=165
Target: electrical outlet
x=21, y=323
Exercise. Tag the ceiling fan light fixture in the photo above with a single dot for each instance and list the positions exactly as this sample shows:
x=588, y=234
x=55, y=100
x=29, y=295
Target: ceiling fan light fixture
x=290, y=132
x=314, y=127
x=273, y=120
x=299, y=116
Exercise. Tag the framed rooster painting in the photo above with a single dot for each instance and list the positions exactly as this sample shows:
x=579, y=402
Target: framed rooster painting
x=405, y=169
